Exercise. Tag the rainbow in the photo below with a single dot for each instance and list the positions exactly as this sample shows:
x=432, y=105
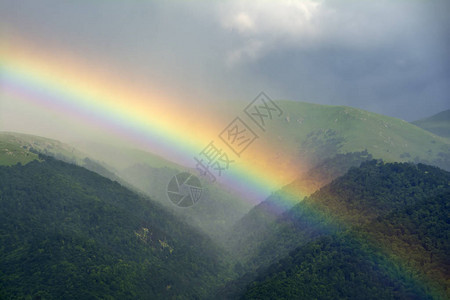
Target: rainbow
x=139, y=115
x=135, y=114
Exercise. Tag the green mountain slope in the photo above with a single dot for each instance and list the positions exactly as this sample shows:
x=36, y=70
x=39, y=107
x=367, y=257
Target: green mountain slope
x=28, y=146
x=306, y=135
x=330, y=139
x=139, y=170
x=338, y=266
x=43, y=145
x=438, y=124
x=12, y=153
x=255, y=227
x=68, y=233
x=394, y=213
x=150, y=174
x=316, y=132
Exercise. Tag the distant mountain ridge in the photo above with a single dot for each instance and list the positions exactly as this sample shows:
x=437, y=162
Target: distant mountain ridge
x=44, y=145
x=318, y=132
x=24, y=148
x=306, y=136
x=438, y=124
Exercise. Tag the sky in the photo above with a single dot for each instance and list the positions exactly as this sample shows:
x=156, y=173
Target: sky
x=388, y=57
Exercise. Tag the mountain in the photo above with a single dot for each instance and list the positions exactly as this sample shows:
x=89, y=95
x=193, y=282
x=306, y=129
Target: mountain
x=23, y=148
x=329, y=140
x=438, y=124
x=319, y=140
x=218, y=209
x=380, y=230
x=136, y=169
x=333, y=267
x=365, y=229
x=43, y=145
x=68, y=233
x=307, y=134
x=12, y=152
x=247, y=235
x=216, y=212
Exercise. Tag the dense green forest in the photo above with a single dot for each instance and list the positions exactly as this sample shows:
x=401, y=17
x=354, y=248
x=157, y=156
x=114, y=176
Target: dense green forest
x=254, y=228
x=381, y=231
x=337, y=266
x=68, y=233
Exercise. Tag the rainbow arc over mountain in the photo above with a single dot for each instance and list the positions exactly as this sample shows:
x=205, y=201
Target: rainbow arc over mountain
x=149, y=118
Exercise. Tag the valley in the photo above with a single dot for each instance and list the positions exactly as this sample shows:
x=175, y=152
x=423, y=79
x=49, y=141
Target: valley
x=365, y=220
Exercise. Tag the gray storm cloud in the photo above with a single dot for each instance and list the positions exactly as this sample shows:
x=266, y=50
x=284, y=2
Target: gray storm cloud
x=386, y=56
x=389, y=57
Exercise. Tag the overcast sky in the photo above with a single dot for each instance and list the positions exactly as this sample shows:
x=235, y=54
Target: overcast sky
x=389, y=57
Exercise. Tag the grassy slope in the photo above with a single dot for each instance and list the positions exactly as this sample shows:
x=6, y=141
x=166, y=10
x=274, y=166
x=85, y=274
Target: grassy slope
x=384, y=137
x=12, y=153
x=26, y=146
x=22, y=143
x=438, y=124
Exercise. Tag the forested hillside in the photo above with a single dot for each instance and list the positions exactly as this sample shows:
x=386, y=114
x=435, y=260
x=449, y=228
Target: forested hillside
x=68, y=233
x=381, y=231
x=144, y=172
x=253, y=229
x=337, y=266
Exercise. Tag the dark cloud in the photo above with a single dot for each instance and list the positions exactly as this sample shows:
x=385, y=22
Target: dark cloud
x=386, y=56
x=389, y=57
